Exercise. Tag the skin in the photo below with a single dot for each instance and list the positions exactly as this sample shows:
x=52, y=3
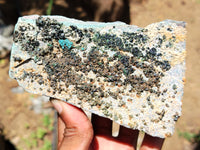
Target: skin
x=77, y=132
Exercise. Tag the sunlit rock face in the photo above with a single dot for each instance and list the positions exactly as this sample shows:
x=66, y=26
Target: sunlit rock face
x=133, y=76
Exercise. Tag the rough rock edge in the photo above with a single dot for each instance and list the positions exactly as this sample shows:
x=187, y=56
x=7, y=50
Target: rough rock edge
x=181, y=71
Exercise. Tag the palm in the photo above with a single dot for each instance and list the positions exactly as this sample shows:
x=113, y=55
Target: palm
x=103, y=139
x=108, y=143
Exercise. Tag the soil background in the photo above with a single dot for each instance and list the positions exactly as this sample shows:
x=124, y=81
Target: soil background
x=15, y=112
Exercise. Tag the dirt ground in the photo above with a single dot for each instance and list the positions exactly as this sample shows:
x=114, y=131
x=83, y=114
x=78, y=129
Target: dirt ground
x=15, y=111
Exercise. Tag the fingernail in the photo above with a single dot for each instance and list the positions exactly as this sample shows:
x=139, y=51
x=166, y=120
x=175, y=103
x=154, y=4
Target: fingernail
x=57, y=105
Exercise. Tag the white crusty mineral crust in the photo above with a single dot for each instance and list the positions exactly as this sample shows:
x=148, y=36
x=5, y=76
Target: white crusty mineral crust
x=133, y=76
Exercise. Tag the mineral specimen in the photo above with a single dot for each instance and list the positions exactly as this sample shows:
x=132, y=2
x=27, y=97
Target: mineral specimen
x=133, y=76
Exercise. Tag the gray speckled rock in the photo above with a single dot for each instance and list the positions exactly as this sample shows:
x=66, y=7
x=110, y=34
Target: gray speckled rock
x=128, y=74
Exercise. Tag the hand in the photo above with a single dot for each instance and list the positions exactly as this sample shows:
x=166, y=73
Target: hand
x=76, y=132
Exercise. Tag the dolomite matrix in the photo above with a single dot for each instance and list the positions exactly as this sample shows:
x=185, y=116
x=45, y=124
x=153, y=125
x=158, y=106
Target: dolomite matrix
x=133, y=76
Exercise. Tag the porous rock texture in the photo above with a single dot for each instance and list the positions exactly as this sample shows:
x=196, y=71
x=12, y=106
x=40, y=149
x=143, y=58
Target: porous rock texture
x=133, y=76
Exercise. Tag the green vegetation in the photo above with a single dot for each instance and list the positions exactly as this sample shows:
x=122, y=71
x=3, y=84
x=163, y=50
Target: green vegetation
x=27, y=126
x=39, y=135
x=46, y=146
x=48, y=12
x=191, y=137
x=31, y=95
x=47, y=122
x=2, y=61
x=31, y=143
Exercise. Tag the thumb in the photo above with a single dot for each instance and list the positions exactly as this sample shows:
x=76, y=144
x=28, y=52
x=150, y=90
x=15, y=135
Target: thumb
x=78, y=133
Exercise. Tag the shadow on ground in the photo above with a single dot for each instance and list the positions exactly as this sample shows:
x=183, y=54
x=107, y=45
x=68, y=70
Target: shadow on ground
x=197, y=141
x=4, y=143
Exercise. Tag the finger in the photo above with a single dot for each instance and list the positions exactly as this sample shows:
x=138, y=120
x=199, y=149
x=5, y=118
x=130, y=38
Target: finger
x=151, y=143
x=101, y=125
x=78, y=132
x=128, y=136
x=61, y=129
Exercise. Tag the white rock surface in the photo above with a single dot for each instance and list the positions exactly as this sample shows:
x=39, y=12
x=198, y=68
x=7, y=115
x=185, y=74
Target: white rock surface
x=133, y=76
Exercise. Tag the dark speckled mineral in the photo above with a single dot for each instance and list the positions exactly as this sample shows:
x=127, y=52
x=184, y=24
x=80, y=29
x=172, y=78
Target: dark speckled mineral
x=110, y=69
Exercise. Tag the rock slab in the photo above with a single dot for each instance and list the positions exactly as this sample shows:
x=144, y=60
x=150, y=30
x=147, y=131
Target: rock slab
x=133, y=76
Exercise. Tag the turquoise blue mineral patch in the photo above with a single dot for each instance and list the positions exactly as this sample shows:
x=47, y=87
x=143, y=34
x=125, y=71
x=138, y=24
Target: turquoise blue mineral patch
x=66, y=43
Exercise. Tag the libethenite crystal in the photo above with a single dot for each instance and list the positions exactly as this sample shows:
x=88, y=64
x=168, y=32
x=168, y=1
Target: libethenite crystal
x=133, y=76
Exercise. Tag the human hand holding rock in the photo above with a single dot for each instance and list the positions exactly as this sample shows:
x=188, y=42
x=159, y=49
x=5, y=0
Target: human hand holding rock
x=76, y=132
